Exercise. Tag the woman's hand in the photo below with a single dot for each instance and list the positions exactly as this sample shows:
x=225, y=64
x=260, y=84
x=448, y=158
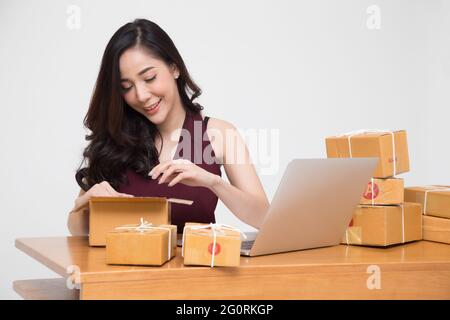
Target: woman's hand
x=184, y=171
x=102, y=189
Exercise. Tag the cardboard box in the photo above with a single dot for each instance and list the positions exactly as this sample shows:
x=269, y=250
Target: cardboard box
x=437, y=199
x=384, y=225
x=106, y=213
x=436, y=229
x=141, y=244
x=383, y=192
x=376, y=144
x=198, y=246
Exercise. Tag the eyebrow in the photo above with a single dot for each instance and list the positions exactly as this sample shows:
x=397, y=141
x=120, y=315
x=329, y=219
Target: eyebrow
x=140, y=73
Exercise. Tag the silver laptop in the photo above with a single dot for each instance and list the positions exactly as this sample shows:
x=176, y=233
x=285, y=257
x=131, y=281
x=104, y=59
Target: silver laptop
x=312, y=206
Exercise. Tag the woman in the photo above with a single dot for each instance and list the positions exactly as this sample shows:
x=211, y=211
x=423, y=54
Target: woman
x=139, y=104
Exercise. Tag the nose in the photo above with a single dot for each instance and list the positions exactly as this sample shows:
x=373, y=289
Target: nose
x=142, y=94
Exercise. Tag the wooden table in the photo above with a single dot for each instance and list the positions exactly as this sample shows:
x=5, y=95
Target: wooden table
x=415, y=270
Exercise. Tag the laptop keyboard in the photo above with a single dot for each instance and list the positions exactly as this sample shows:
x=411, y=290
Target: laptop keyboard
x=247, y=245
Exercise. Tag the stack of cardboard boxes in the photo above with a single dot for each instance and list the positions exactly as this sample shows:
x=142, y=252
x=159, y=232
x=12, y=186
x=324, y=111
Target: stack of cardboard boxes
x=435, y=201
x=382, y=218
x=153, y=241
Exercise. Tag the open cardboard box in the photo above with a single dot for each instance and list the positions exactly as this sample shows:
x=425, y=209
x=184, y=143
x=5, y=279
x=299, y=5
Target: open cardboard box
x=107, y=213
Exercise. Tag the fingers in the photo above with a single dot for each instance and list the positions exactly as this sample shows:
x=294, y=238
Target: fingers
x=153, y=170
x=169, y=178
x=177, y=179
x=102, y=189
x=114, y=193
x=160, y=168
x=110, y=191
x=156, y=171
x=170, y=171
x=126, y=195
x=105, y=189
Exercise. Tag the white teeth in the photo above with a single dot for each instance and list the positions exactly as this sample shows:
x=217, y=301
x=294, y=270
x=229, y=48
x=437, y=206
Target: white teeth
x=153, y=107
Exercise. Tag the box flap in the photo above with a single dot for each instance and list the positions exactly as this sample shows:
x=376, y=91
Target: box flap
x=180, y=201
x=106, y=213
x=127, y=199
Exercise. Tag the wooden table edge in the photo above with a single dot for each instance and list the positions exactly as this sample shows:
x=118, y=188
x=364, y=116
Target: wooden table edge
x=40, y=258
x=203, y=271
x=45, y=289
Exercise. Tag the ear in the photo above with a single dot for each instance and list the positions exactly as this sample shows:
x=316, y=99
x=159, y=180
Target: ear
x=175, y=71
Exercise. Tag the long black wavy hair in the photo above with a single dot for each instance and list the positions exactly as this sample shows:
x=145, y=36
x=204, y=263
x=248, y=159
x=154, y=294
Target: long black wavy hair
x=121, y=138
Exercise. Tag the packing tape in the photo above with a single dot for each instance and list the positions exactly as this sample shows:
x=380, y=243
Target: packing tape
x=364, y=131
x=353, y=235
x=215, y=227
x=145, y=226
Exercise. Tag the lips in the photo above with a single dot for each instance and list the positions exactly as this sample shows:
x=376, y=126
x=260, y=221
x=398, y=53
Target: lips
x=153, y=105
x=153, y=108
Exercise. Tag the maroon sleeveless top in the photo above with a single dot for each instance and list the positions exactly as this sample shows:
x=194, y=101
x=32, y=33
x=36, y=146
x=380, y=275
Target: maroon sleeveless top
x=205, y=201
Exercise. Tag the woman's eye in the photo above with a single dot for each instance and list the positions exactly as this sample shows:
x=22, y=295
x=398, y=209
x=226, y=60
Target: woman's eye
x=146, y=80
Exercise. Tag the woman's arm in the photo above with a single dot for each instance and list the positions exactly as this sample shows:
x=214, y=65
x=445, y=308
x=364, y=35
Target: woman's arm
x=244, y=194
x=78, y=221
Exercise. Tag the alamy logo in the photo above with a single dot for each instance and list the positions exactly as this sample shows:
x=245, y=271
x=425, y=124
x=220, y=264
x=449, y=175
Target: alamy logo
x=73, y=280
x=374, y=19
x=263, y=146
x=73, y=21
x=374, y=280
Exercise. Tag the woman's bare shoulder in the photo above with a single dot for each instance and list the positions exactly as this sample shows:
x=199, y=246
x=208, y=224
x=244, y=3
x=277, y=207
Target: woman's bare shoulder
x=220, y=133
x=219, y=124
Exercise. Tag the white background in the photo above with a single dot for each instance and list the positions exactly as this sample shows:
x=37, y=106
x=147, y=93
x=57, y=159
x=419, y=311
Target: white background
x=307, y=68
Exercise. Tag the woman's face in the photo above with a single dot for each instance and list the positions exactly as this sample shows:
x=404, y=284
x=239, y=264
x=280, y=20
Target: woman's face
x=148, y=84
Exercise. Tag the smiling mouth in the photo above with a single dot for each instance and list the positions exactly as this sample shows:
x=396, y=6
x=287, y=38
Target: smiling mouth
x=153, y=106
